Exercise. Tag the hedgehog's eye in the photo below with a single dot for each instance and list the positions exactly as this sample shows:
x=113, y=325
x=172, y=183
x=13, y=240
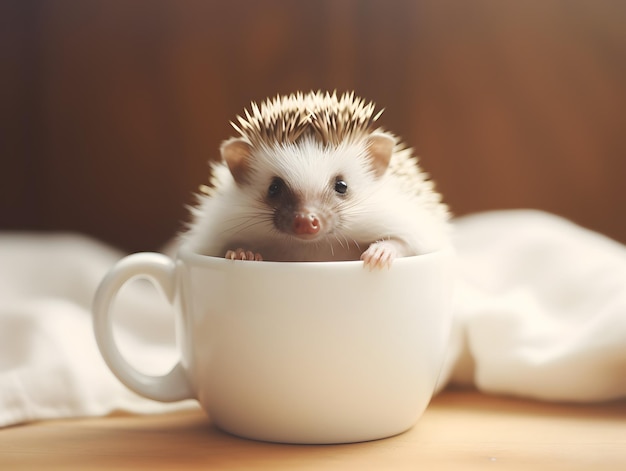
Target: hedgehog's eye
x=341, y=186
x=276, y=187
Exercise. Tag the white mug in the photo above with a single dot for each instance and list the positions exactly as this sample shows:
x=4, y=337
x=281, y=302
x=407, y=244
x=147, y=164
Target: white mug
x=303, y=352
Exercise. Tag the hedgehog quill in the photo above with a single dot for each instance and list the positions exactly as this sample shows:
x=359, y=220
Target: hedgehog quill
x=310, y=177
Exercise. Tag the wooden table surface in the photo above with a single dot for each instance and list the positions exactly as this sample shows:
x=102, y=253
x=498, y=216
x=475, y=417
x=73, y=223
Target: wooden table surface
x=460, y=430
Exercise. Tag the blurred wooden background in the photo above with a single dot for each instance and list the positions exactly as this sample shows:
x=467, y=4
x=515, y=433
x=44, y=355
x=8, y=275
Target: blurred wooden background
x=110, y=110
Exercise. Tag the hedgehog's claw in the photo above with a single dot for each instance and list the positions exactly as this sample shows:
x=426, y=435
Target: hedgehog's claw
x=241, y=254
x=379, y=255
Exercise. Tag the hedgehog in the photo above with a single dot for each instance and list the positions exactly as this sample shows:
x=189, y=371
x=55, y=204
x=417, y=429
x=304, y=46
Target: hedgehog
x=311, y=178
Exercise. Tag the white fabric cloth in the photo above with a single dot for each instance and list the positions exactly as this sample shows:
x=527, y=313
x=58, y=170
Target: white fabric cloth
x=50, y=366
x=540, y=308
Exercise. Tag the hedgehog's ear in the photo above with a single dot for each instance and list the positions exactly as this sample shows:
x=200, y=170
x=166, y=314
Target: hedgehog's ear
x=236, y=153
x=380, y=147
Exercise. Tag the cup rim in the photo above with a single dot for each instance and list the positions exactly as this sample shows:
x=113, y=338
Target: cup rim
x=186, y=253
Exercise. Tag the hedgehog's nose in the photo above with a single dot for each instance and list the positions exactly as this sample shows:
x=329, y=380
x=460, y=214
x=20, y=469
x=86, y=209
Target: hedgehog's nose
x=306, y=224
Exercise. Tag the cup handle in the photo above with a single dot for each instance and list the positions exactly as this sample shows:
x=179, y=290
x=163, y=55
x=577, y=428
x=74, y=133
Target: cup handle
x=160, y=271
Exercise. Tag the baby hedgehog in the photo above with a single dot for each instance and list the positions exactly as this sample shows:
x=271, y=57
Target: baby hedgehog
x=310, y=178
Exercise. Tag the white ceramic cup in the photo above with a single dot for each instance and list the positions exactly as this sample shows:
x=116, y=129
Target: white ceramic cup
x=312, y=352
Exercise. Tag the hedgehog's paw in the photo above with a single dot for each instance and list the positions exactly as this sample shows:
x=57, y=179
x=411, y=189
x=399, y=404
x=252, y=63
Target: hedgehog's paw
x=380, y=255
x=241, y=254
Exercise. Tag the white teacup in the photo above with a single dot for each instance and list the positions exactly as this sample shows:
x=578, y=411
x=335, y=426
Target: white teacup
x=310, y=352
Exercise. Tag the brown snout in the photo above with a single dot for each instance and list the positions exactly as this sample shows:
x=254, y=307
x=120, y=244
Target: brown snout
x=306, y=224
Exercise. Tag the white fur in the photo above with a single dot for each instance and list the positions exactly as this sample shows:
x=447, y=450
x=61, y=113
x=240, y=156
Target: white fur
x=375, y=209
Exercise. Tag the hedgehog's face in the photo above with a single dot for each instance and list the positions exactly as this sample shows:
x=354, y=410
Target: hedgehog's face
x=309, y=190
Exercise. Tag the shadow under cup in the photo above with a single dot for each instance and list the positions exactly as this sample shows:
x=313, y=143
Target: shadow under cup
x=307, y=352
